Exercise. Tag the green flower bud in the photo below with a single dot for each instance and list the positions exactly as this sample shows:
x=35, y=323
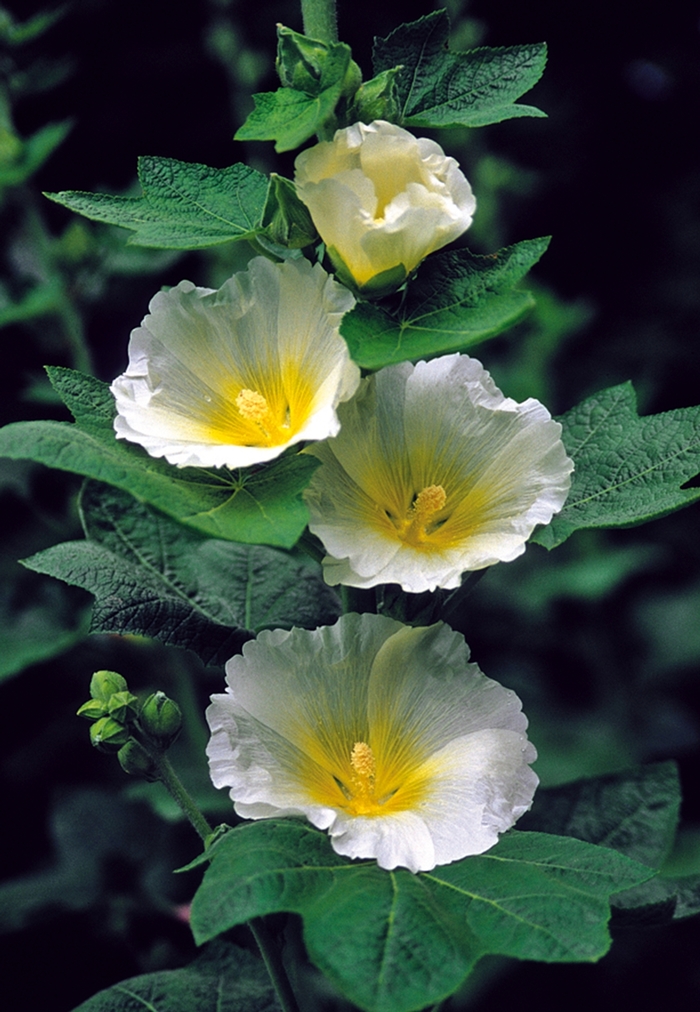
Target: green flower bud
x=161, y=719
x=300, y=60
x=137, y=761
x=123, y=706
x=108, y=734
x=104, y=684
x=376, y=99
x=92, y=710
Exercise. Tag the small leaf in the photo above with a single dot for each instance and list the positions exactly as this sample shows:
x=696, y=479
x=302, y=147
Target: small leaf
x=416, y=937
x=184, y=205
x=153, y=577
x=457, y=300
x=251, y=506
x=441, y=88
x=289, y=116
x=223, y=979
x=627, y=469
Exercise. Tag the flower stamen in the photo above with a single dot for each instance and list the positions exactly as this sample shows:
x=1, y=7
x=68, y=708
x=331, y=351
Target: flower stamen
x=252, y=406
x=420, y=517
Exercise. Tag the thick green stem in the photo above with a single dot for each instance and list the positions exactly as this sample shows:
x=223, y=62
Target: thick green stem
x=181, y=796
x=320, y=20
x=272, y=958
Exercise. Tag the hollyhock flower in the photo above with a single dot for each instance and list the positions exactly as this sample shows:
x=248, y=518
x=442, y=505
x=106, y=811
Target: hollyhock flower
x=383, y=734
x=433, y=473
x=382, y=200
x=232, y=377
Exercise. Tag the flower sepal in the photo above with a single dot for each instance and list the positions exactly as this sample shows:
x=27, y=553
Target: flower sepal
x=286, y=219
x=384, y=283
x=304, y=64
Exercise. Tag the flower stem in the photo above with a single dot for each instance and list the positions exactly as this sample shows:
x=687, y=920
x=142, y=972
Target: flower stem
x=180, y=795
x=320, y=20
x=273, y=962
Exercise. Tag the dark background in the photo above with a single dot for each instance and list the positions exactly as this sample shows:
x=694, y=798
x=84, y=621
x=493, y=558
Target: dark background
x=601, y=640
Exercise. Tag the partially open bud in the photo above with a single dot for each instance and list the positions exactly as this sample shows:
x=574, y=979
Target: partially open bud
x=104, y=684
x=287, y=220
x=108, y=735
x=135, y=760
x=161, y=719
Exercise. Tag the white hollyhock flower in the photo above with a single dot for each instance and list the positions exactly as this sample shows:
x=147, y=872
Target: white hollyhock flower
x=433, y=473
x=232, y=377
x=382, y=200
x=383, y=734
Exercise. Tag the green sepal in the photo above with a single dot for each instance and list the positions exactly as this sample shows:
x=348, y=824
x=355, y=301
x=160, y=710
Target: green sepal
x=286, y=219
x=377, y=287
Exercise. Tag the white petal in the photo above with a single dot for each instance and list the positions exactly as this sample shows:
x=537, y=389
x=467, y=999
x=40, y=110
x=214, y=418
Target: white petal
x=273, y=329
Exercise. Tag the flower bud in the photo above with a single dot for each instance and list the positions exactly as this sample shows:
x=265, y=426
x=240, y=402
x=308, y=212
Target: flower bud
x=108, y=734
x=123, y=706
x=135, y=760
x=161, y=718
x=104, y=684
x=310, y=65
x=377, y=98
x=382, y=200
x=93, y=709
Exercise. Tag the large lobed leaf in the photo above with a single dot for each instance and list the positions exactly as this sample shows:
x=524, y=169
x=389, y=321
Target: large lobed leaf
x=184, y=205
x=153, y=577
x=440, y=88
x=416, y=937
x=223, y=979
x=627, y=469
x=247, y=505
x=457, y=300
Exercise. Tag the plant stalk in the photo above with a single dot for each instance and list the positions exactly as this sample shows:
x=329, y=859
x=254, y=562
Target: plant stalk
x=272, y=958
x=320, y=20
x=181, y=795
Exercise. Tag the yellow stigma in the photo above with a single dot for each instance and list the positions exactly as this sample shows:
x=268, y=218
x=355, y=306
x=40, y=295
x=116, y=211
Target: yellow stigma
x=252, y=405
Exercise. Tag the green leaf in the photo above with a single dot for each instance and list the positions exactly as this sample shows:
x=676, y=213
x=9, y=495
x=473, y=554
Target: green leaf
x=184, y=205
x=457, y=300
x=251, y=506
x=416, y=937
x=223, y=979
x=634, y=812
x=440, y=88
x=290, y=117
x=153, y=577
x=627, y=469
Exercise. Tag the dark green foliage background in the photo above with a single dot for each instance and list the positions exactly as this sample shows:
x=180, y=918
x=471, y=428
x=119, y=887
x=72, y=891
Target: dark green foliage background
x=599, y=638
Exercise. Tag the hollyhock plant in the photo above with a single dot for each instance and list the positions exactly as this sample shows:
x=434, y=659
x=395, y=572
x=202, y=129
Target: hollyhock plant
x=232, y=377
x=382, y=734
x=434, y=472
x=382, y=200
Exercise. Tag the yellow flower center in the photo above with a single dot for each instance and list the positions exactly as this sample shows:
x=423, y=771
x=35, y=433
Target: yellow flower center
x=421, y=518
x=365, y=766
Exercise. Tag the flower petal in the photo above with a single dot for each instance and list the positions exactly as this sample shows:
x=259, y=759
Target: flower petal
x=444, y=751
x=232, y=377
x=492, y=470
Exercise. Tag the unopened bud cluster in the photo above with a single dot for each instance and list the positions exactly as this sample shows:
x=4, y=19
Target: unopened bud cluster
x=136, y=732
